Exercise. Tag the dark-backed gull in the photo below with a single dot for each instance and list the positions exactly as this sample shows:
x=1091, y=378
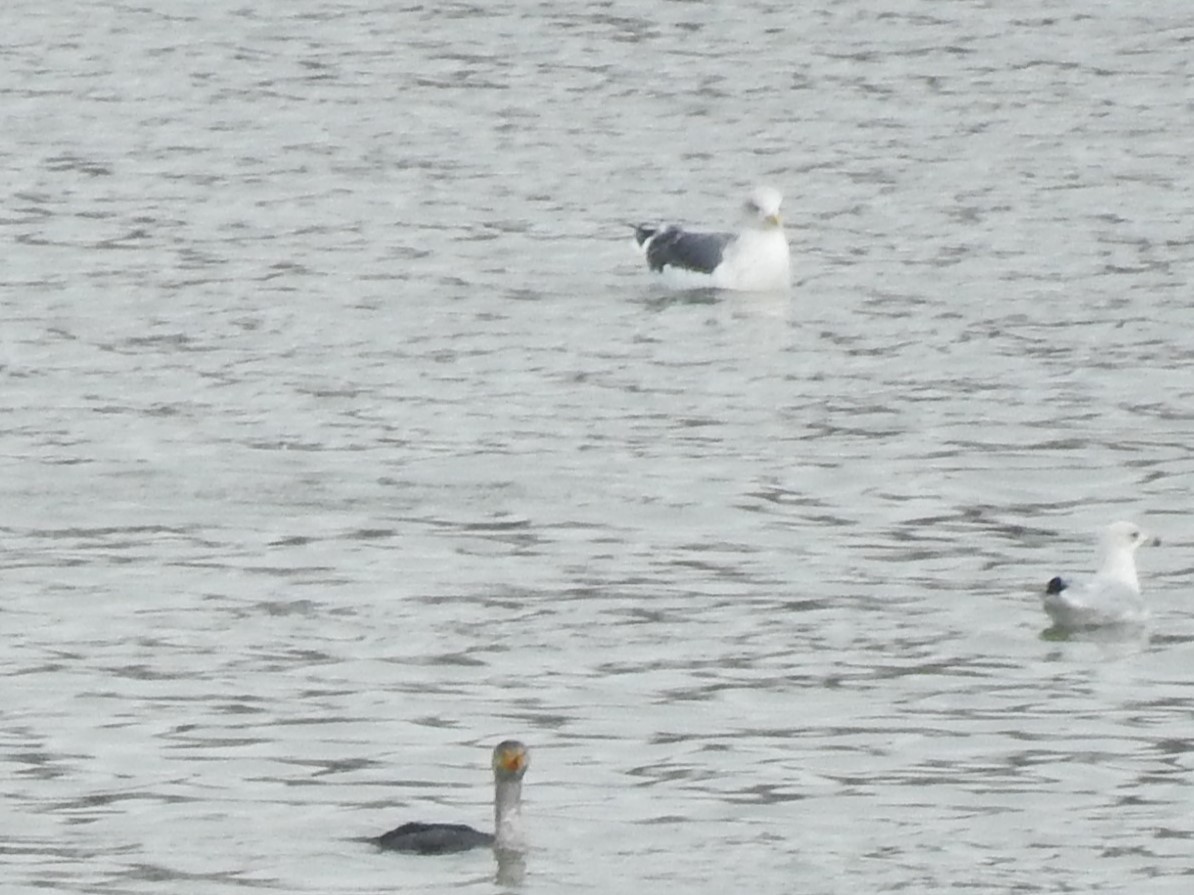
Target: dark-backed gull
x=756, y=258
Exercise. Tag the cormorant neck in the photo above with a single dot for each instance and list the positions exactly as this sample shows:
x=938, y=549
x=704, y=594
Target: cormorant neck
x=507, y=808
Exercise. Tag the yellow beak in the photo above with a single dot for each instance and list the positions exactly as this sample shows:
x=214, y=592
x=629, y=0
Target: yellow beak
x=774, y=220
x=513, y=761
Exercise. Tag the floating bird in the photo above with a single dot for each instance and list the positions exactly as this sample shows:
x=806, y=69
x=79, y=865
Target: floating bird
x=756, y=258
x=1112, y=596
x=510, y=761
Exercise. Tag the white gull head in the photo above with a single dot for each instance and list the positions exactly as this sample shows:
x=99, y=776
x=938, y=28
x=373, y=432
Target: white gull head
x=1117, y=551
x=761, y=209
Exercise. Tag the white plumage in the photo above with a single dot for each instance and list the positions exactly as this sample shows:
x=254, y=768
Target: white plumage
x=1112, y=596
x=756, y=258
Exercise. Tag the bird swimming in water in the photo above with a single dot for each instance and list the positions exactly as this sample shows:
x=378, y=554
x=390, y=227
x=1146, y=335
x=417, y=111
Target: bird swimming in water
x=510, y=762
x=756, y=258
x=1112, y=595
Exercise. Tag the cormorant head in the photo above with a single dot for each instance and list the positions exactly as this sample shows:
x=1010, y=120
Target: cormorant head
x=510, y=760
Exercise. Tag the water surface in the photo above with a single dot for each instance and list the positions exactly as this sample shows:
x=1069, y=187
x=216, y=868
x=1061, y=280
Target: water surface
x=344, y=436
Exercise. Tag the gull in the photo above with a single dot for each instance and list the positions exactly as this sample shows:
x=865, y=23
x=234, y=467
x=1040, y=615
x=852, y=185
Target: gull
x=756, y=258
x=1112, y=595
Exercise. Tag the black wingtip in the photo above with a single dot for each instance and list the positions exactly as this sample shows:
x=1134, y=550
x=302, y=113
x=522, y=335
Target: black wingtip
x=1055, y=586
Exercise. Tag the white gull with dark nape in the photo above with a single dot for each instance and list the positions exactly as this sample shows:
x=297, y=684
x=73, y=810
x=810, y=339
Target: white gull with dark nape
x=1112, y=596
x=757, y=258
x=510, y=761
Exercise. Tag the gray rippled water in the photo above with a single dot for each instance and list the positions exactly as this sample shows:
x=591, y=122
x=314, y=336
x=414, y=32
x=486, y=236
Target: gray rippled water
x=344, y=435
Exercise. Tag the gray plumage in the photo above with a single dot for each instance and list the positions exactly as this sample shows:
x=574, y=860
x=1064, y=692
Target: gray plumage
x=433, y=839
x=671, y=245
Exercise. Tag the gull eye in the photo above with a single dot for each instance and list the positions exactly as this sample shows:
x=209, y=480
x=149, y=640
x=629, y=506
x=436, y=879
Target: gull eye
x=752, y=207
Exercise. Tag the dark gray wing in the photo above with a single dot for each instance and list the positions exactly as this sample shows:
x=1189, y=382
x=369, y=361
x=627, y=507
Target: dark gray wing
x=433, y=839
x=673, y=247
